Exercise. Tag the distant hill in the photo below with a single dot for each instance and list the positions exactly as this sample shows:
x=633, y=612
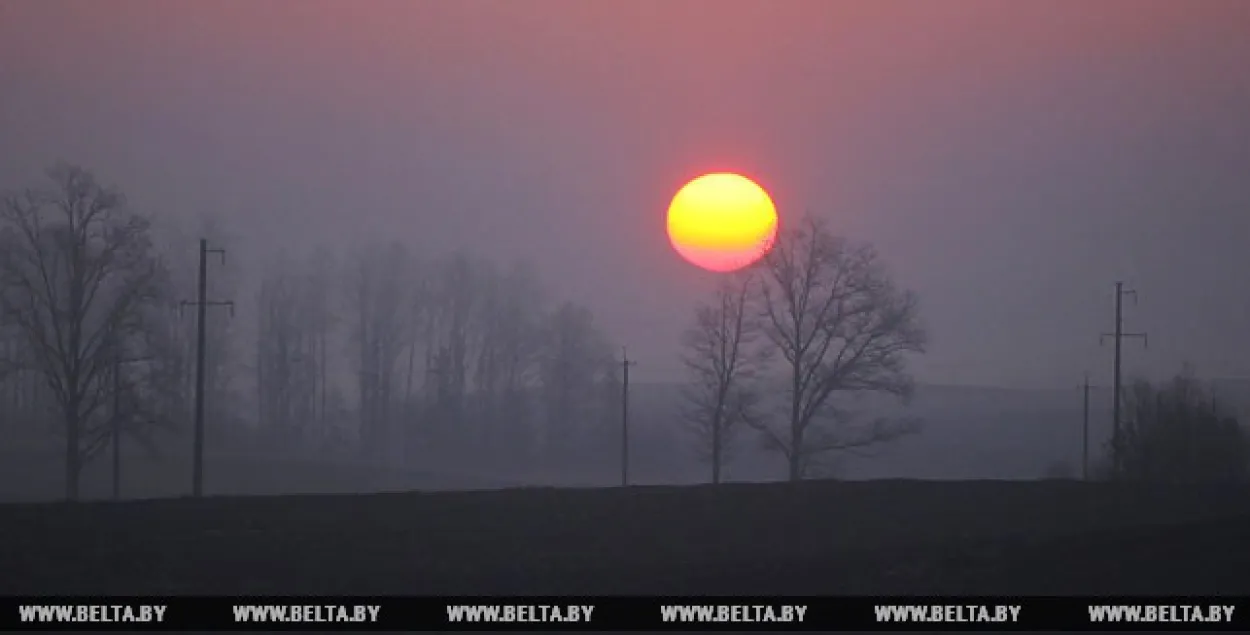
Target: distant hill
x=969, y=432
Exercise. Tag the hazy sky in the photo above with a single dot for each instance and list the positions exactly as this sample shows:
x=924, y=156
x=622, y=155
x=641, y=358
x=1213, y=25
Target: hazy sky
x=1011, y=159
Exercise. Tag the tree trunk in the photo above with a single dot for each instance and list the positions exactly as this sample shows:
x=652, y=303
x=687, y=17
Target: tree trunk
x=796, y=429
x=716, y=458
x=796, y=453
x=72, y=457
x=324, y=384
x=716, y=449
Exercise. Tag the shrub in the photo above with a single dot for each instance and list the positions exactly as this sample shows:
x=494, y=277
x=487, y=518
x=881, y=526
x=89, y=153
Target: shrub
x=1175, y=433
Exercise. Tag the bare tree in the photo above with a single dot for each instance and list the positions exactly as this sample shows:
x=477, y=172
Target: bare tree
x=507, y=321
x=457, y=294
x=576, y=372
x=520, y=343
x=378, y=293
x=286, y=355
x=841, y=327
x=723, y=359
x=295, y=327
x=77, y=271
x=417, y=323
x=322, y=319
x=1176, y=432
x=15, y=374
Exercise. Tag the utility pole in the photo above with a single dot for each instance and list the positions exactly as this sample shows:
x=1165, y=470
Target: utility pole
x=117, y=427
x=1085, y=431
x=1086, y=389
x=625, y=364
x=1118, y=336
x=201, y=304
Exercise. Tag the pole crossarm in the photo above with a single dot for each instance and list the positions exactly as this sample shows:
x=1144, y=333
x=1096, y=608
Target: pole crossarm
x=229, y=304
x=1117, y=337
x=1127, y=336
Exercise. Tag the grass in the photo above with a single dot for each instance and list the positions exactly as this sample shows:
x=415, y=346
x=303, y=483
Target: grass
x=900, y=537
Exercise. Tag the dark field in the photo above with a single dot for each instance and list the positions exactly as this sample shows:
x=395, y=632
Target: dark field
x=901, y=537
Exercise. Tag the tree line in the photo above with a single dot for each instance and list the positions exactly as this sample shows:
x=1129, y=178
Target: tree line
x=395, y=356
x=443, y=351
x=376, y=351
x=1177, y=431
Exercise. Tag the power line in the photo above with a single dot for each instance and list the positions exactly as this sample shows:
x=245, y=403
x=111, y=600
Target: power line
x=1118, y=336
x=202, y=303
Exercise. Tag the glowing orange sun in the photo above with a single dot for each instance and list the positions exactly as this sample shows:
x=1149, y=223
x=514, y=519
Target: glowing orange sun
x=722, y=222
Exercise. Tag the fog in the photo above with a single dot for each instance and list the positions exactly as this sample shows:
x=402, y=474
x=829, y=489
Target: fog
x=1009, y=161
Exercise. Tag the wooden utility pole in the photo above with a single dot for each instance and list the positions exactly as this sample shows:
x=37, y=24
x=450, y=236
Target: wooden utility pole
x=625, y=364
x=201, y=304
x=1085, y=432
x=1087, y=389
x=117, y=427
x=1118, y=336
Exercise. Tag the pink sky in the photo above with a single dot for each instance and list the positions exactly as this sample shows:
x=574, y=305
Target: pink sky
x=1011, y=159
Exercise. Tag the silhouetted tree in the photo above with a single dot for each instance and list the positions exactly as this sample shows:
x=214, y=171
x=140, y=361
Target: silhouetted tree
x=1174, y=433
x=286, y=354
x=576, y=371
x=723, y=359
x=378, y=294
x=840, y=326
x=20, y=383
x=418, y=339
x=507, y=324
x=455, y=294
x=78, y=280
x=322, y=320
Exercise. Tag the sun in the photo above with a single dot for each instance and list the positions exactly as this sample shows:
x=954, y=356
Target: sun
x=722, y=222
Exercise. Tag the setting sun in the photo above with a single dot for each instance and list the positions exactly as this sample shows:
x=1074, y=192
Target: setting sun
x=722, y=222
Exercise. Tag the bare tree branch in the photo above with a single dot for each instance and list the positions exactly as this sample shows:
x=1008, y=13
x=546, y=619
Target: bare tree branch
x=580, y=388
x=722, y=359
x=837, y=320
x=77, y=271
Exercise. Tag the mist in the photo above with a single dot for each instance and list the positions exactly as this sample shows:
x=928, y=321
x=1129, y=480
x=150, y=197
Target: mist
x=435, y=246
